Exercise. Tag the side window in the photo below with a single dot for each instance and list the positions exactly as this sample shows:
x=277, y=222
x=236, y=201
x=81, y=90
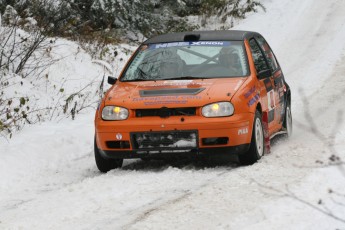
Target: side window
x=259, y=60
x=269, y=54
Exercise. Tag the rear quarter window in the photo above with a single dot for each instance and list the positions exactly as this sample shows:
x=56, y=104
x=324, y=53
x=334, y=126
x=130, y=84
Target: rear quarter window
x=258, y=57
x=272, y=61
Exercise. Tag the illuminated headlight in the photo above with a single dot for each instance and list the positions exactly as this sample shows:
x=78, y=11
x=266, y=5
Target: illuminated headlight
x=114, y=113
x=220, y=109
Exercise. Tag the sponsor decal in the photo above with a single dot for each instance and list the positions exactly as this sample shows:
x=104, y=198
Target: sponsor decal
x=166, y=100
x=250, y=92
x=119, y=136
x=170, y=44
x=271, y=105
x=281, y=93
x=210, y=43
x=279, y=113
x=155, y=98
x=178, y=82
x=271, y=100
x=190, y=97
x=268, y=84
x=242, y=131
x=253, y=99
x=181, y=44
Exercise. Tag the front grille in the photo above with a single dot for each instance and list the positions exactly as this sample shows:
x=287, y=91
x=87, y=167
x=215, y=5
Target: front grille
x=165, y=112
x=165, y=140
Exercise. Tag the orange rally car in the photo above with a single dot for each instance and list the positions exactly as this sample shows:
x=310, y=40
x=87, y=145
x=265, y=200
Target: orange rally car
x=194, y=93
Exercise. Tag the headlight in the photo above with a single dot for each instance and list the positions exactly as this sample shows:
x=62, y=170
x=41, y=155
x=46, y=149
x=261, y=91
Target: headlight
x=220, y=109
x=114, y=113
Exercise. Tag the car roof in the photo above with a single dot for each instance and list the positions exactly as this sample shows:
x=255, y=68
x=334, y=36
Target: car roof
x=207, y=35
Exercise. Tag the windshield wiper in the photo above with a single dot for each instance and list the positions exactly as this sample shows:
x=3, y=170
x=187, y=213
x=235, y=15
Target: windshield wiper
x=138, y=79
x=184, y=78
x=141, y=78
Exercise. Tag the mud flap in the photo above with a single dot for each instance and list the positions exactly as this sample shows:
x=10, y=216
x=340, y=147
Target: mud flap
x=266, y=133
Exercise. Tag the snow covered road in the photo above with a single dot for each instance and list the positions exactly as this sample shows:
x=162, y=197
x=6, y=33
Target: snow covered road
x=49, y=179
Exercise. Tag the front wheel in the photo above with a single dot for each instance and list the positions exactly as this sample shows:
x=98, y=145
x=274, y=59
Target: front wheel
x=257, y=146
x=104, y=165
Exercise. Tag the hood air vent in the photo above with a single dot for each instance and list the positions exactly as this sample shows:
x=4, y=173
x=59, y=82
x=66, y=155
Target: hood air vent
x=167, y=92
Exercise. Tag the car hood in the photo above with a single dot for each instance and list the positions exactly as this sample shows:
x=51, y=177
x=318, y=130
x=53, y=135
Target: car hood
x=181, y=93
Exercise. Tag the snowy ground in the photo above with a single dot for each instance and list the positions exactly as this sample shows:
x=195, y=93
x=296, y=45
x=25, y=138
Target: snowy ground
x=49, y=179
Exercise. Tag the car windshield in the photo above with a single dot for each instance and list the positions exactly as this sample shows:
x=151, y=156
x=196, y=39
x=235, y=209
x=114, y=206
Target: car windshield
x=188, y=60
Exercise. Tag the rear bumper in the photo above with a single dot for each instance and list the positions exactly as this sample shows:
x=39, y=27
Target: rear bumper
x=234, y=150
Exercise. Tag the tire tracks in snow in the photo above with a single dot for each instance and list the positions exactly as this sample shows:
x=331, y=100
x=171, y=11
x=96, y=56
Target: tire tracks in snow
x=154, y=207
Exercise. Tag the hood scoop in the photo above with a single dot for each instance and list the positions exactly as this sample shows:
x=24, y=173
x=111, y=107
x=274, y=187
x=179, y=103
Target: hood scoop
x=168, y=92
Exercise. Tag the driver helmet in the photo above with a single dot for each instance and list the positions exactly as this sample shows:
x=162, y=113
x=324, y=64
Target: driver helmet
x=228, y=56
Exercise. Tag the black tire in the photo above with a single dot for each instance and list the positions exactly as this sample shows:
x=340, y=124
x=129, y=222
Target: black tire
x=257, y=145
x=287, y=125
x=104, y=165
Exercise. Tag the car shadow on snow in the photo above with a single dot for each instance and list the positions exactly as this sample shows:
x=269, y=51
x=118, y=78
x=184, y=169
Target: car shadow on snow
x=196, y=163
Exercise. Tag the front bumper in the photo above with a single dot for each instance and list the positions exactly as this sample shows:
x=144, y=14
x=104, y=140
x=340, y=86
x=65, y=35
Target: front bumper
x=116, y=139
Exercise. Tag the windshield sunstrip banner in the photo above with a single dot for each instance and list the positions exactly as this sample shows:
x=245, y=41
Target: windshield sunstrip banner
x=181, y=44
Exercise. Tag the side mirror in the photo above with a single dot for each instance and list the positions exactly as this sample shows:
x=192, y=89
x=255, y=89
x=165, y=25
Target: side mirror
x=264, y=74
x=111, y=80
